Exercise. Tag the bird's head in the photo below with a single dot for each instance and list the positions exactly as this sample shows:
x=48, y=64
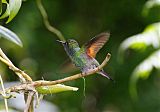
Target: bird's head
x=72, y=43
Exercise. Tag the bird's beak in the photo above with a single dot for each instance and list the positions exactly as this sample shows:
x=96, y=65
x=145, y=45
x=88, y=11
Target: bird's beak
x=63, y=42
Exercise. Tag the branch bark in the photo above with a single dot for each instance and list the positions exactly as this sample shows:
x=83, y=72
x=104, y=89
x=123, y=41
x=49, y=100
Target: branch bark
x=21, y=74
x=4, y=94
x=32, y=85
x=29, y=102
x=80, y=75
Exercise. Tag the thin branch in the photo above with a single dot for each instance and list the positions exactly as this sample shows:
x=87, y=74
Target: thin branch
x=30, y=87
x=46, y=21
x=4, y=56
x=29, y=103
x=19, y=88
x=39, y=98
x=80, y=75
x=21, y=74
x=4, y=94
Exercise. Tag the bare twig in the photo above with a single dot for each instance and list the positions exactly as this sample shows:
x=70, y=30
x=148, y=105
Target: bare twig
x=4, y=56
x=21, y=74
x=19, y=88
x=46, y=21
x=31, y=86
x=38, y=100
x=29, y=103
x=80, y=75
x=4, y=94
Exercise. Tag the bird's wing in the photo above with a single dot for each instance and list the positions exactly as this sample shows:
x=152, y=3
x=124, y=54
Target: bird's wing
x=67, y=67
x=95, y=44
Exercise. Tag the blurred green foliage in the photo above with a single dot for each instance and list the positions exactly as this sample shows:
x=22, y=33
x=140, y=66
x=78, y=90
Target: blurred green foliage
x=6, y=33
x=150, y=37
x=42, y=56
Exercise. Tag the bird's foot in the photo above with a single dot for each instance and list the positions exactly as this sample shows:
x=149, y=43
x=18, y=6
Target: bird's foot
x=98, y=69
x=83, y=73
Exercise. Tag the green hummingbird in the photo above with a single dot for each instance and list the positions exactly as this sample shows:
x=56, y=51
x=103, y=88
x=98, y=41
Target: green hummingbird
x=84, y=57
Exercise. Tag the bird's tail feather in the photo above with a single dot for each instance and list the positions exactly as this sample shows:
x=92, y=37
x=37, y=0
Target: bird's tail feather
x=103, y=73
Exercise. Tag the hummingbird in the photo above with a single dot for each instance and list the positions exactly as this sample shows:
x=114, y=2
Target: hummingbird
x=84, y=57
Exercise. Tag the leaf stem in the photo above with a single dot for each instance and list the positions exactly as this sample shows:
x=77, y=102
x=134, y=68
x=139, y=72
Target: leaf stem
x=4, y=94
x=21, y=74
x=46, y=21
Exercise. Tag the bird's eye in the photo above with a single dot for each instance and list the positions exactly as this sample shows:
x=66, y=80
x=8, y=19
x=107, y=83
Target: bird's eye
x=72, y=41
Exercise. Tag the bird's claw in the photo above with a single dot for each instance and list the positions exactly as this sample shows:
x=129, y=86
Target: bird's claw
x=83, y=73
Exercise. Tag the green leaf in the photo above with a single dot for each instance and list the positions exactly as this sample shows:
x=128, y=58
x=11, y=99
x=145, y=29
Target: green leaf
x=0, y=7
x=8, y=34
x=153, y=27
x=4, y=1
x=14, y=6
x=149, y=37
x=149, y=5
x=55, y=89
x=7, y=12
x=143, y=71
